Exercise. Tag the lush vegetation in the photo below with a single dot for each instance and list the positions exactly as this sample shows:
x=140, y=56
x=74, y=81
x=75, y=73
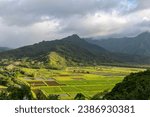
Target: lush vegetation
x=134, y=86
x=72, y=49
x=14, y=88
x=70, y=68
x=55, y=61
x=68, y=83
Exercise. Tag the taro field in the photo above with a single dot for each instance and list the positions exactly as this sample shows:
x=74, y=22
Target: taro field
x=67, y=83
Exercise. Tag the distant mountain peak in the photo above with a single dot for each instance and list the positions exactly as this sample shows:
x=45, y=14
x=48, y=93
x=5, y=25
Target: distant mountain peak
x=139, y=45
x=74, y=36
x=71, y=50
x=147, y=33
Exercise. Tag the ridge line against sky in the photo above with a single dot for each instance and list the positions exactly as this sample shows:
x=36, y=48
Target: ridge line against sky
x=24, y=22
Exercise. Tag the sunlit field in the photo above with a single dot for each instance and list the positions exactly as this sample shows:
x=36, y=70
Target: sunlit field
x=72, y=80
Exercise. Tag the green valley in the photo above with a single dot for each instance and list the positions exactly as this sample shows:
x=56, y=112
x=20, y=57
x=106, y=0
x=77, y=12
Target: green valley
x=75, y=50
x=70, y=68
x=68, y=82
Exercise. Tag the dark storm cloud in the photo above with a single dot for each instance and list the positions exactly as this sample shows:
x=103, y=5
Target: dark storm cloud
x=28, y=21
x=20, y=12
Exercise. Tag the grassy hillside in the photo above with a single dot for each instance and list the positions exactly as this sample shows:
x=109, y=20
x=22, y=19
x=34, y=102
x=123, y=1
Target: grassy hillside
x=55, y=61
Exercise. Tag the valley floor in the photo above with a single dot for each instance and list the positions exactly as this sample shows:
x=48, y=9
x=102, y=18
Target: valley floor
x=67, y=83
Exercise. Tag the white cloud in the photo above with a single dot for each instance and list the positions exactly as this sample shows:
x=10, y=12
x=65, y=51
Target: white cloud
x=15, y=36
x=28, y=21
x=100, y=23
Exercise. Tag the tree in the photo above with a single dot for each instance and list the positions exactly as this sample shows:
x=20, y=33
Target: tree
x=53, y=97
x=3, y=95
x=100, y=95
x=80, y=96
x=135, y=86
x=19, y=92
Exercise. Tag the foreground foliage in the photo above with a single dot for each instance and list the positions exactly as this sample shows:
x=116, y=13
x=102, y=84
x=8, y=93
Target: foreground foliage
x=135, y=86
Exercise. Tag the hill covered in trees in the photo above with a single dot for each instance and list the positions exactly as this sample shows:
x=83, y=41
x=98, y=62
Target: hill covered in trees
x=135, y=86
x=68, y=51
x=71, y=50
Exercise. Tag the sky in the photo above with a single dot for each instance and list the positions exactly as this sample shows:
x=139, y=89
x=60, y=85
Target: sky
x=25, y=22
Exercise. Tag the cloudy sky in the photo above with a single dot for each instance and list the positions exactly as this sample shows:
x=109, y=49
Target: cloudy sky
x=24, y=22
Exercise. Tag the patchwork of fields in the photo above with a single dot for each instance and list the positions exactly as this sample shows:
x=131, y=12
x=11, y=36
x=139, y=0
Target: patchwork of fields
x=67, y=83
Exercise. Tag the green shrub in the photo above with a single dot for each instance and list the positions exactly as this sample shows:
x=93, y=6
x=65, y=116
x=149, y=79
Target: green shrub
x=80, y=96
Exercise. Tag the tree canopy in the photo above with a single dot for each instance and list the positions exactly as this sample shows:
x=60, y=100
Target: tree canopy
x=135, y=86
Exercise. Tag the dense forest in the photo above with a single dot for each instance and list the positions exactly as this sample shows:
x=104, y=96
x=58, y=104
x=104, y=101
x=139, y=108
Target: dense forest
x=135, y=86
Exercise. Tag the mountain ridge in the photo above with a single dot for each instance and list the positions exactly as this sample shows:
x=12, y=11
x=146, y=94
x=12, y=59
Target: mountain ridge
x=138, y=45
x=71, y=50
x=4, y=49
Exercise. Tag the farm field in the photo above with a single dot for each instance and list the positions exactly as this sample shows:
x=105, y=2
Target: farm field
x=72, y=80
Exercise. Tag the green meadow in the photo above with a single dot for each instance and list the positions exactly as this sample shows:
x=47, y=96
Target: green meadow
x=73, y=80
